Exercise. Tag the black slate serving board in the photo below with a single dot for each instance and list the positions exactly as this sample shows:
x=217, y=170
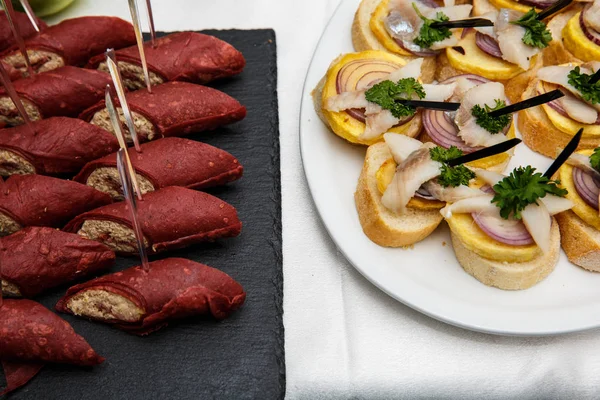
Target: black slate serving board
x=243, y=356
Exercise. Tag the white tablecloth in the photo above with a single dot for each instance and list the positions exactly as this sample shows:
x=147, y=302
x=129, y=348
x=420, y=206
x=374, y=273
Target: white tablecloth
x=344, y=338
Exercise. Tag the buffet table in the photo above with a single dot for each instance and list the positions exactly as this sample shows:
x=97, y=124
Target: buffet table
x=343, y=337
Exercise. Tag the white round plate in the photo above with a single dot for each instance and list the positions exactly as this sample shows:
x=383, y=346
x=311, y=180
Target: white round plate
x=427, y=277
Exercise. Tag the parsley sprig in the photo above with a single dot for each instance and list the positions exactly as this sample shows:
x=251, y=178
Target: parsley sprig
x=590, y=92
x=595, y=159
x=386, y=93
x=521, y=188
x=428, y=34
x=491, y=124
x=536, y=32
x=451, y=176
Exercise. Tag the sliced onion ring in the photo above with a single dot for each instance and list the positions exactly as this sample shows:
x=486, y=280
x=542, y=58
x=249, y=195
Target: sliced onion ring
x=424, y=194
x=587, y=186
x=592, y=34
x=488, y=45
x=508, y=231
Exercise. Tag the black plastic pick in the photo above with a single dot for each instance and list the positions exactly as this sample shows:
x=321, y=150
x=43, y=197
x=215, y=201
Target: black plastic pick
x=531, y=102
x=432, y=105
x=556, y=7
x=486, y=152
x=463, y=23
x=564, y=155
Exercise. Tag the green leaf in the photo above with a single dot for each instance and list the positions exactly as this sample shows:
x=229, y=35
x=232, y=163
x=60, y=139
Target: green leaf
x=428, y=34
x=580, y=81
x=521, y=188
x=451, y=176
x=491, y=124
x=386, y=94
x=595, y=159
x=536, y=32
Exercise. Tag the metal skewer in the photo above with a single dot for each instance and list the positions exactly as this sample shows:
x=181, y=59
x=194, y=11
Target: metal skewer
x=151, y=21
x=111, y=63
x=30, y=14
x=10, y=14
x=126, y=181
x=12, y=93
x=116, y=124
x=135, y=16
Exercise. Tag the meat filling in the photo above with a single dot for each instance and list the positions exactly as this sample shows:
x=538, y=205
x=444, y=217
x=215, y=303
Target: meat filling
x=41, y=61
x=116, y=236
x=8, y=226
x=106, y=179
x=133, y=75
x=145, y=128
x=9, y=115
x=9, y=289
x=104, y=305
x=13, y=164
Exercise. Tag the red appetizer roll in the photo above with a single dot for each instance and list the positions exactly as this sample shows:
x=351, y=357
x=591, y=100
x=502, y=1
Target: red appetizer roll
x=36, y=200
x=171, y=289
x=55, y=146
x=31, y=336
x=182, y=56
x=72, y=42
x=172, y=109
x=171, y=218
x=65, y=92
x=36, y=259
x=166, y=162
x=23, y=26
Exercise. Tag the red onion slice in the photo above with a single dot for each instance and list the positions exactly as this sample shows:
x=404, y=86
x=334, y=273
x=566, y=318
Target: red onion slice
x=541, y=4
x=588, y=31
x=508, y=231
x=424, y=194
x=587, y=186
x=488, y=45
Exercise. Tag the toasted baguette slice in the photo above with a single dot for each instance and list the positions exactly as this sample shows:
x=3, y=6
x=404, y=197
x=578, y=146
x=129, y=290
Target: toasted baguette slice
x=364, y=39
x=509, y=276
x=540, y=135
x=413, y=129
x=580, y=241
x=380, y=224
x=556, y=52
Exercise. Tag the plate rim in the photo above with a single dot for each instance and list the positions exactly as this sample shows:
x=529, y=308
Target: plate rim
x=307, y=98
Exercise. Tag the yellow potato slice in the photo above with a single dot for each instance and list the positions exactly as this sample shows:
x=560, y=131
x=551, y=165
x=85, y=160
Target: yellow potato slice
x=577, y=43
x=377, y=25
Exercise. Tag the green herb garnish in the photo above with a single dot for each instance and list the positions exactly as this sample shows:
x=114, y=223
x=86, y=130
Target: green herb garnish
x=386, y=93
x=451, y=176
x=595, y=159
x=486, y=121
x=521, y=188
x=429, y=34
x=536, y=32
x=590, y=92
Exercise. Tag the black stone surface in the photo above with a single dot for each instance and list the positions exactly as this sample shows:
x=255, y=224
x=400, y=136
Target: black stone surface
x=243, y=356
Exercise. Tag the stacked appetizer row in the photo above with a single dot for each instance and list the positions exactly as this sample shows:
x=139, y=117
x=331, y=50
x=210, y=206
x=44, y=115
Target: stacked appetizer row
x=55, y=231
x=433, y=91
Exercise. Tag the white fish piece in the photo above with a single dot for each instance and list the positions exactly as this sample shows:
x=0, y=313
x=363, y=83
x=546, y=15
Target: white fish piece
x=592, y=16
x=510, y=39
x=372, y=109
x=378, y=123
x=488, y=30
x=454, y=13
x=439, y=92
x=559, y=75
x=463, y=85
x=346, y=101
x=478, y=204
x=582, y=162
x=449, y=3
x=555, y=204
x=451, y=194
x=489, y=177
x=411, y=173
x=448, y=42
x=401, y=146
x=473, y=134
x=578, y=109
x=538, y=222
x=411, y=70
